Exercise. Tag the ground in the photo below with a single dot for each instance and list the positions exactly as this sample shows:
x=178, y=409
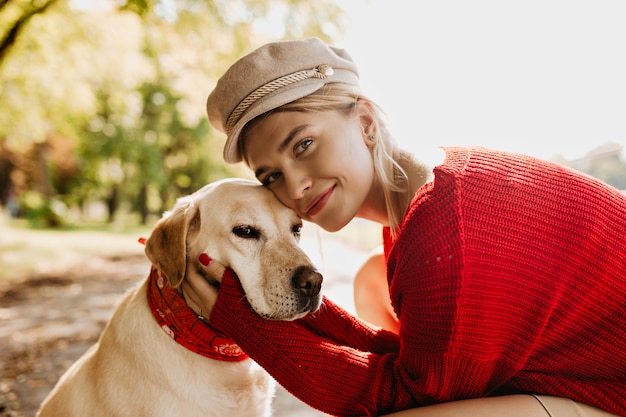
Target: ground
x=58, y=290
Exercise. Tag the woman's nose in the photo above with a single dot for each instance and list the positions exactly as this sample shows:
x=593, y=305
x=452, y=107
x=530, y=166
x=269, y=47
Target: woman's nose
x=297, y=185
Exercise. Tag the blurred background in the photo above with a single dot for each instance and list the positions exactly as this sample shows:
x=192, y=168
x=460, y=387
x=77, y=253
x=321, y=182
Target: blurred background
x=102, y=102
x=103, y=126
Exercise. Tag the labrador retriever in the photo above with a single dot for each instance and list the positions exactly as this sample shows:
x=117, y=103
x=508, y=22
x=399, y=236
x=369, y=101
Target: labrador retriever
x=156, y=357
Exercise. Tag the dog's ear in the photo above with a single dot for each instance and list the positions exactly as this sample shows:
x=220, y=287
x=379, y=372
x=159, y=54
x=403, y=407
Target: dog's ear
x=167, y=245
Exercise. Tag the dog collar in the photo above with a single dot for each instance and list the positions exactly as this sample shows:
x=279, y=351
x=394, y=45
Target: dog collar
x=179, y=321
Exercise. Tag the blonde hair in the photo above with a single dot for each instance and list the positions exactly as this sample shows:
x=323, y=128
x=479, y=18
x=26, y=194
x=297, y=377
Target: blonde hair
x=386, y=153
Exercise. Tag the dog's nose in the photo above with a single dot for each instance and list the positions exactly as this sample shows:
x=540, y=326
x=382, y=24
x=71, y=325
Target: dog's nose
x=307, y=280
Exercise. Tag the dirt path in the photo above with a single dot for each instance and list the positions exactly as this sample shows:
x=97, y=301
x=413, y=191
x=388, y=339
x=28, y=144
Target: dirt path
x=48, y=320
x=52, y=313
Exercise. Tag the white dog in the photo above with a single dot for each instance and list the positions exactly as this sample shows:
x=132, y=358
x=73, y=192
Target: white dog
x=156, y=357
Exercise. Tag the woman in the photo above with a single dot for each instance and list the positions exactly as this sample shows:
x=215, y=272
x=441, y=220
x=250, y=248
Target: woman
x=506, y=273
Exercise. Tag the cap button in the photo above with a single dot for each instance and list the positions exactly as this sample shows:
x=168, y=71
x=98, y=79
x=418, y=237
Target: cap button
x=325, y=70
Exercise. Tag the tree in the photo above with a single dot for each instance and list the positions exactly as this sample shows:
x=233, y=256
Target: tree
x=125, y=89
x=19, y=13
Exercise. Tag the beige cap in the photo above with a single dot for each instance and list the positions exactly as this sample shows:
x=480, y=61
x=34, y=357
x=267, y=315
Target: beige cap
x=271, y=76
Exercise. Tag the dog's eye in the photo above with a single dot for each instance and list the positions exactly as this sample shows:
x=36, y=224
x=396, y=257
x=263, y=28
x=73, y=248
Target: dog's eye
x=246, y=232
x=296, y=229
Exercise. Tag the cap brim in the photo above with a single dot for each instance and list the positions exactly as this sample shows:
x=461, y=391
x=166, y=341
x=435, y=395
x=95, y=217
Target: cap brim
x=263, y=105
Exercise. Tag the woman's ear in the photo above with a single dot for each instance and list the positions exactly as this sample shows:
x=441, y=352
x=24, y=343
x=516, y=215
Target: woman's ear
x=369, y=128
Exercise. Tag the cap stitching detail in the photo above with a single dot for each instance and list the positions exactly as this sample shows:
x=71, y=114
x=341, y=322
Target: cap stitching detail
x=321, y=71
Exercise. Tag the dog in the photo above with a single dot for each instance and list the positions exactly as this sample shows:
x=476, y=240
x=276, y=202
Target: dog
x=145, y=361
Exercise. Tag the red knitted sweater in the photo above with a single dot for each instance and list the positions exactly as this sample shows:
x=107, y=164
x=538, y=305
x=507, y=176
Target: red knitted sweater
x=508, y=275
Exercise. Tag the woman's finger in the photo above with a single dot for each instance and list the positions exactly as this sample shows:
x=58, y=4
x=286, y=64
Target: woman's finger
x=199, y=294
x=212, y=267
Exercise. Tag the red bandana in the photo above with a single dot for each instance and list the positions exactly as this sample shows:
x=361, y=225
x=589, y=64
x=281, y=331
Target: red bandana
x=183, y=325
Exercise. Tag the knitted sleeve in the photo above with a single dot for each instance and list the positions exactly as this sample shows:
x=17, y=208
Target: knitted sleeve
x=324, y=373
x=333, y=322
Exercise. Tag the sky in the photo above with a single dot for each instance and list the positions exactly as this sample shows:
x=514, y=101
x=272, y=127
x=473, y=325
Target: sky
x=541, y=77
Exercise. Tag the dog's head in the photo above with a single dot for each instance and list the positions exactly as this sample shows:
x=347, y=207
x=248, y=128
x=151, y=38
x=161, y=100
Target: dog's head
x=242, y=225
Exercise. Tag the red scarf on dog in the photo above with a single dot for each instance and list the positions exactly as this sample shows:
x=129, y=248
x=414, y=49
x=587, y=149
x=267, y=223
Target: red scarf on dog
x=184, y=326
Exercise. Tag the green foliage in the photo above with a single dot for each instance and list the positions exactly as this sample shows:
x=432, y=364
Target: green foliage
x=14, y=17
x=108, y=103
x=42, y=211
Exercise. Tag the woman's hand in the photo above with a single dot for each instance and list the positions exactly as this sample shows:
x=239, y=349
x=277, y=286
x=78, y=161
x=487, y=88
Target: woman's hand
x=199, y=294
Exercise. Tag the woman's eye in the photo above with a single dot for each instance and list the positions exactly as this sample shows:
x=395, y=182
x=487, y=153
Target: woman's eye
x=271, y=178
x=302, y=146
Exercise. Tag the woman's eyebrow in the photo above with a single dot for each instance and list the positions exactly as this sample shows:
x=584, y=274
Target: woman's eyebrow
x=285, y=143
x=259, y=171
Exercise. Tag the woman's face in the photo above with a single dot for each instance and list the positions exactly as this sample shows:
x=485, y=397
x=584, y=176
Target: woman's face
x=317, y=163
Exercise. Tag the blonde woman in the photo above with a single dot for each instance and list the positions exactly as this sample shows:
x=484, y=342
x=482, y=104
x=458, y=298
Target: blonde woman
x=506, y=274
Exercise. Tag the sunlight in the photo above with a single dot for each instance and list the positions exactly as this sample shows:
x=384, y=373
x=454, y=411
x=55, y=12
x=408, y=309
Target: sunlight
x=542, y=78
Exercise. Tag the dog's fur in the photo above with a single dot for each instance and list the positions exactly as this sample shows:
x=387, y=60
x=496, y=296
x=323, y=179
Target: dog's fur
x=136, y=369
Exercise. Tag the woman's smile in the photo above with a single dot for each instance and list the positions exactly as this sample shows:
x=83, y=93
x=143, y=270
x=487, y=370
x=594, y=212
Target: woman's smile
x=319, y=202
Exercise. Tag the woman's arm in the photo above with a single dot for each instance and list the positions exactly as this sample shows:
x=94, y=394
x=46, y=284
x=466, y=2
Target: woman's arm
x=330, y=320
x=333, y=322
x=327, y=375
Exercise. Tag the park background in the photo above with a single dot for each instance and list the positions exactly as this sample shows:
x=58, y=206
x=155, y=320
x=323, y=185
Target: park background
x=102, y=127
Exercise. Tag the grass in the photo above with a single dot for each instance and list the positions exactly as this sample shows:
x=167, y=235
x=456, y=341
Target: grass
x=25, y=250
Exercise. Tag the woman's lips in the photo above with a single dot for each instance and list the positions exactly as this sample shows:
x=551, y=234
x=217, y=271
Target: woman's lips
x=319, y=202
